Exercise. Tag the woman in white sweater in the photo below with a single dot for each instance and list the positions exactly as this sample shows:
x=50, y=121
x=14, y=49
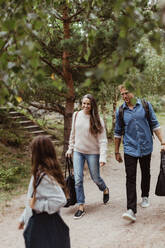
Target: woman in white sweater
x=88, y=142
x=44, y=227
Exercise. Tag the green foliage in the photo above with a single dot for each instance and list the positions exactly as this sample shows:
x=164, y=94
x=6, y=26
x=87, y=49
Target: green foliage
x=103, y=32
x=14, y=170
x=10, y=176
x=103, y=45
x=9, y=137
x=158, y=103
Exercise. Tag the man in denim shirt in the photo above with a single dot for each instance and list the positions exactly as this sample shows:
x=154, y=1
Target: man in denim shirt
x=138, y=145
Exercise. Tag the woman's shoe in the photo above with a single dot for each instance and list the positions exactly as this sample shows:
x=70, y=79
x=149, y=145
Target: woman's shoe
x=106, y=197
x=79, y=214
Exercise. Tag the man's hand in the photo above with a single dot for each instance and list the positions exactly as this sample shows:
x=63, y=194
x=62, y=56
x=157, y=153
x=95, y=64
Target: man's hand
x=118, y=157
x=21, y=225
x=158, y=133
x=102, y=164
x=163, y=147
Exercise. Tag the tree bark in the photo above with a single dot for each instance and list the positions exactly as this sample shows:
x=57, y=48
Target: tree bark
x=103, y=110
x=114, y=104
x=67, y=75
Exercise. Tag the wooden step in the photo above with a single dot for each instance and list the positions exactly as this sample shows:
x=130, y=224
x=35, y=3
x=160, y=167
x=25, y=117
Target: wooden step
x=18, y=117
x=38, y=132
x=7, y=109
x=55, y=142
x=30, y=128
x=15, y=113
x=23, y=123
x=4, y=108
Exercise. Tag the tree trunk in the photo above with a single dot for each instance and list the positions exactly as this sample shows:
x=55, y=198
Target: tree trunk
x=114, y=104
x=104, y=113
x=69, y=106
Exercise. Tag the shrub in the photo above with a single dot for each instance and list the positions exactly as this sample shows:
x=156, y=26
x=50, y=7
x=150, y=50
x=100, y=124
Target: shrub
x=9, y=176
x=8, y=137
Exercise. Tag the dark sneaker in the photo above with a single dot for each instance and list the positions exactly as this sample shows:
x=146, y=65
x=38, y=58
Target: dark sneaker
x=106, y=197
x=79, y=214
x=68, y=204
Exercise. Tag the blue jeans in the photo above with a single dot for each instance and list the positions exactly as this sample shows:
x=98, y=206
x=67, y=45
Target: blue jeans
x=94, y=169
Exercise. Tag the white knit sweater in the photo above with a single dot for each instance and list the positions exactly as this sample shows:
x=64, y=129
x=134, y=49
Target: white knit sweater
x=81, y=140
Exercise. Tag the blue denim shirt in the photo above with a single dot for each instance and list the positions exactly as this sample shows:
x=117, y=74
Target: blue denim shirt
x=137, y=138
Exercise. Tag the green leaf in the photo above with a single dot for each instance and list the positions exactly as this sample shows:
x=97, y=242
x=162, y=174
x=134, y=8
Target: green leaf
x=86, y=56
x=58, y=84
x=123, y=33
x=56, y=61
x=34, y=62
x=87, y=82
x=9, y=25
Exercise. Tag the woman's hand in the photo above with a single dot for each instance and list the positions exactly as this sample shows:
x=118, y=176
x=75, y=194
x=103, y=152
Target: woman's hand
x=68, y=154
x=21, y=225
x=102, y=164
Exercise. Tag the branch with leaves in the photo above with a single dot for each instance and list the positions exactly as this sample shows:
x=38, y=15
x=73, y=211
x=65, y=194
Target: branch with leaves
x=54, y=107
x=54, y=69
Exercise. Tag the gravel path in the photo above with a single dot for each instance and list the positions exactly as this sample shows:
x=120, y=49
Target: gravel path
x=102, y=226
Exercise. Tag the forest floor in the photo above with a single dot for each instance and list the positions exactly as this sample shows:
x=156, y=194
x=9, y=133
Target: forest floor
x=102, y=226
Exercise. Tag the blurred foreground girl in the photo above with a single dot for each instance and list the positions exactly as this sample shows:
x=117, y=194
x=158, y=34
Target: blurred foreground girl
x=44, y=227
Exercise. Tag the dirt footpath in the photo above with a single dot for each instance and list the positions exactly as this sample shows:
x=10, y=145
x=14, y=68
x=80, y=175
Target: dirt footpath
x=102, y=226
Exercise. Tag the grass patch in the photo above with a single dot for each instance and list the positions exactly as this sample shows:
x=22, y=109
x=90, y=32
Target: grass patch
x=14, y=172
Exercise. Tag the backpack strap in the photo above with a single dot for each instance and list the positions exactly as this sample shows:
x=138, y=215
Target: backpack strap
x=37, y=183
x=121, y=118
x=147, y=111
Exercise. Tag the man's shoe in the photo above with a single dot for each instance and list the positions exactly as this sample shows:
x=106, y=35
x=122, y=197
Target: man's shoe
x=106, y=197
x=145, y=202
x=129, y=215
x=79, y=214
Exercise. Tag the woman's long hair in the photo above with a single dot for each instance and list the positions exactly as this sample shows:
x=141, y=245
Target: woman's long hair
x=95, y=123
x=44, y=159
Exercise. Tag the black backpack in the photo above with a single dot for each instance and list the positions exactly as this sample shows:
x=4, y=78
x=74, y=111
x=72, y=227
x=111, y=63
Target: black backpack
x=160, y=186
x=146, y=109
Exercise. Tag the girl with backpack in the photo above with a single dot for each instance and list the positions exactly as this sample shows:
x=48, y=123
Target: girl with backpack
x=88, y=142
x=44, y=227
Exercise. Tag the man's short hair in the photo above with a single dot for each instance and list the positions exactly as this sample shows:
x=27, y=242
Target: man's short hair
x=121, y=86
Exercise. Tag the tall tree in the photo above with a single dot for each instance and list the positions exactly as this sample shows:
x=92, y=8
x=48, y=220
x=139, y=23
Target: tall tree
x=50, y=49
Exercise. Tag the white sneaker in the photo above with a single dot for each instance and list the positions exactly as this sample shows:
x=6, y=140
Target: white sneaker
x=145, y=202
x=129, y=215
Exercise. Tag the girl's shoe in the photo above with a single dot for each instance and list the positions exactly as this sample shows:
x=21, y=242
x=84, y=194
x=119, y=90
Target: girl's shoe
x=106, y=197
